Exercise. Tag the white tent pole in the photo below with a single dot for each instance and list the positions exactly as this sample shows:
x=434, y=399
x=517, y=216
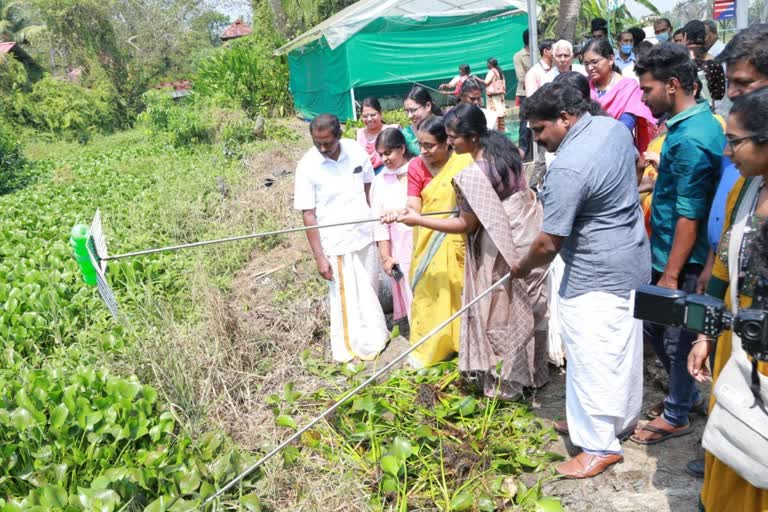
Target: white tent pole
x=533, y=31
x=742, y=14
x=354, y=103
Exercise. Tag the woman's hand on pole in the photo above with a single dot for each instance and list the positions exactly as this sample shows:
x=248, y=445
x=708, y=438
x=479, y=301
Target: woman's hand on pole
x=390, y=216
x=409, y=217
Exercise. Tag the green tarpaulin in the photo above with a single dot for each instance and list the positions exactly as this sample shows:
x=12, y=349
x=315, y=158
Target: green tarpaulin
x=375, y=60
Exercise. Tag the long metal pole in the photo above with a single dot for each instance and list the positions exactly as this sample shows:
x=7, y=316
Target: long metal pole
x=415, y=83
x=533, y=32
x=252, y=235
x=353, y=392
x=742, y=14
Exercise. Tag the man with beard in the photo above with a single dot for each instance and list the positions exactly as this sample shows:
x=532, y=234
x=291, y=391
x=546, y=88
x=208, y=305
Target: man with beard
x=688, y=169
x=333, y=180
x=592, y=217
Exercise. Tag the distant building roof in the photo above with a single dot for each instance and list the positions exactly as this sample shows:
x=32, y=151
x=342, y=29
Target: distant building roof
x=6, y=47
x=180, y=85
x=235, y=30
x=9, y=47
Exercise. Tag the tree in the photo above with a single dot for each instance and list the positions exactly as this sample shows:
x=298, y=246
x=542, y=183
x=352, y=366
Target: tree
x=568, y=19
x=15, y=23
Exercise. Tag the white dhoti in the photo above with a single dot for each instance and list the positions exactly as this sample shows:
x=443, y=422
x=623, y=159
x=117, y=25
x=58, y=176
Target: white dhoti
x=555, y=348
x=358, y=327
x=604, y=381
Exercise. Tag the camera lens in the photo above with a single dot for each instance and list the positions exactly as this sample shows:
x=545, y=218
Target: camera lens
x=752, y=330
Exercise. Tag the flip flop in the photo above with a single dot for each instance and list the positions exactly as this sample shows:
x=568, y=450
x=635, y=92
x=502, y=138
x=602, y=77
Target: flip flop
x=699, y=407
x=665, y=434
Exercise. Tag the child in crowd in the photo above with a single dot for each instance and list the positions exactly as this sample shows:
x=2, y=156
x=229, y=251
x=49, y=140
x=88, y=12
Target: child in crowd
x=389, y=191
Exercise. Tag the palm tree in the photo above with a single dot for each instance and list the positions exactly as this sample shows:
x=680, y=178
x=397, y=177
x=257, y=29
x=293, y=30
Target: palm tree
x=572, y=12
x=15, y=24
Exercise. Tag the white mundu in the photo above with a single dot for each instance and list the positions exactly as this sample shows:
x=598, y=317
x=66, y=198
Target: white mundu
x=335, y=189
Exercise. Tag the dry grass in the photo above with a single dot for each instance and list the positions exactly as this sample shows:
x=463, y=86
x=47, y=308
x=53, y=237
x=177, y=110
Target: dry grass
x=248, y=346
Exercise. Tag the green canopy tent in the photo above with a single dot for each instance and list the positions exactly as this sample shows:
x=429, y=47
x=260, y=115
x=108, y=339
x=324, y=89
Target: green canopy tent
x=379, y=47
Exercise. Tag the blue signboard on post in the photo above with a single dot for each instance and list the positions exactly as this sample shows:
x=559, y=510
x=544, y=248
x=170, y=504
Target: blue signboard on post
x=724, y=10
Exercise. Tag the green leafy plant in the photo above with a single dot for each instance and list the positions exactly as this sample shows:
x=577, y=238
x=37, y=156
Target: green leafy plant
x=432, y=445
x=247, y=73
x=12, y=162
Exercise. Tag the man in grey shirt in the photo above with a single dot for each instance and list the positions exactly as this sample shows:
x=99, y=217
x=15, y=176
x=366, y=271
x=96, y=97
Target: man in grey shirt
x=592, y=217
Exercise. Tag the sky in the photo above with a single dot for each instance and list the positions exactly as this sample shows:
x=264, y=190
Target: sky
x=638, y=10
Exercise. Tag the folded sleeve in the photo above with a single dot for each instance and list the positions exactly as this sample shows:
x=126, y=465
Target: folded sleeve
x=563, y=197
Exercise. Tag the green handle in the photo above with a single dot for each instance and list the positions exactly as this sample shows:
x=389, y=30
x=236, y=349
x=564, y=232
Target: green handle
x=78, y=240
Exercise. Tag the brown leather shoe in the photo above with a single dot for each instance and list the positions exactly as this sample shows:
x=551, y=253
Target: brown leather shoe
x=586, y=465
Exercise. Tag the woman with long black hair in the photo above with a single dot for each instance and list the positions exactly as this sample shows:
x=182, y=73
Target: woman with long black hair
x=503, y=344
x=496, y=90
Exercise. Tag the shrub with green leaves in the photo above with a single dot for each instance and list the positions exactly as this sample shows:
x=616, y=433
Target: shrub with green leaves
x=247, y=74
x=12, y=161
x=61, y=108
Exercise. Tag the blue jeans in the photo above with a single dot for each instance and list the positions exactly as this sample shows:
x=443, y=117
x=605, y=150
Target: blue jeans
x=672, y=345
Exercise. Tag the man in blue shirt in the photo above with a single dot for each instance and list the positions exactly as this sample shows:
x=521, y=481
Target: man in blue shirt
x=688, y=171
x=593, y=219
x=624, y=55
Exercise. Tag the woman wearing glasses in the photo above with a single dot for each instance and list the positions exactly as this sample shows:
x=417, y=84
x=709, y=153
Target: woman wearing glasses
x=366, y=137
x=739, y=270
x=620, y=97
x=419, y=107
x=437, y=264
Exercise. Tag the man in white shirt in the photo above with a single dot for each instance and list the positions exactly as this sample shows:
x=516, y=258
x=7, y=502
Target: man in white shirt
x=712, y=42
x=535, y=76
x=563, y=55
x=332, y=184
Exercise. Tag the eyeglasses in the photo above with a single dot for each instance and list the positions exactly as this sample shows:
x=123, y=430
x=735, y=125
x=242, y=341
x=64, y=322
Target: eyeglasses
x=370, y=116
x=428, y=146
x=593, y=63
x=732, y=144
x=413, y=110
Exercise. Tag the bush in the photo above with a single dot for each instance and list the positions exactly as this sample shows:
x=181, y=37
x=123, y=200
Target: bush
x=247, y=74
x=12, y=164
x=66, y=109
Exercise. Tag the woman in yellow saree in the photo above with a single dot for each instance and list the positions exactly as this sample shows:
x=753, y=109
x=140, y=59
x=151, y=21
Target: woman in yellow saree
x=437, y=266
x=738, y=276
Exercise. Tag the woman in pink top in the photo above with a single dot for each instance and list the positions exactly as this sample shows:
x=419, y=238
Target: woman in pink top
x=366, y=137
x=620, y=97
x=389, y=191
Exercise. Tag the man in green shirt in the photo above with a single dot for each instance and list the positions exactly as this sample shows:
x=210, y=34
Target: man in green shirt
x=687, y=177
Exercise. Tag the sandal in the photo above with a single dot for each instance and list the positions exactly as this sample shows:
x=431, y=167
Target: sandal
x=664, y=433
x=699, y=407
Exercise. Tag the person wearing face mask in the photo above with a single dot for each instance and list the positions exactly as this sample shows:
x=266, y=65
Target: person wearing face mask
x=366, y=137
x=389, y=191
x=419, y=107
x=624, y=55
x=562, y=51
x=503, y=341
x=437, y=265
x=662, y=28
x=333, y=180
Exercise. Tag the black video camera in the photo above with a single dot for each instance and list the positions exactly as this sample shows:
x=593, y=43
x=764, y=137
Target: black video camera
x=703, y=314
